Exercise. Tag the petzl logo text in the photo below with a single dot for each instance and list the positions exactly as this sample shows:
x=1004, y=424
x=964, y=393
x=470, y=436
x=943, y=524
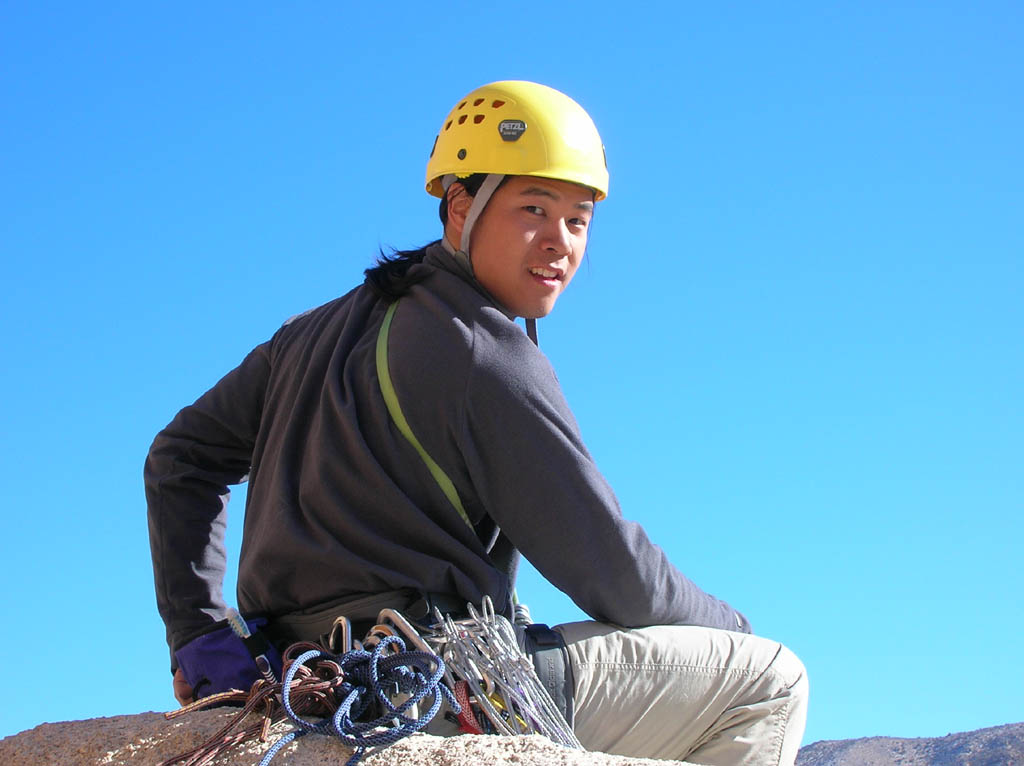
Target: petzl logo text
x=510, y=130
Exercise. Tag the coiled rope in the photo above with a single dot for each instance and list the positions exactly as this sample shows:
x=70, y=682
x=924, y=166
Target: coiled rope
x=339, y=690
x=371, y=678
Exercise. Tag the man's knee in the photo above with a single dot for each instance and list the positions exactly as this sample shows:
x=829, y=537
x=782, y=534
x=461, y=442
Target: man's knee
x=790, y=669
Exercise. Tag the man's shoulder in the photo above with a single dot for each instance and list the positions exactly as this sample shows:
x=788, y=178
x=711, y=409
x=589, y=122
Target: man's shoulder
x=328, y=320
x=334, y=306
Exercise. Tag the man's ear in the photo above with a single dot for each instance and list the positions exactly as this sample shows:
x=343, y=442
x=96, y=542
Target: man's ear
x=459, y=202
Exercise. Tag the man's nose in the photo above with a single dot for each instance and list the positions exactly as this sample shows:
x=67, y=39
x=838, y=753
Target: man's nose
x=557, y=238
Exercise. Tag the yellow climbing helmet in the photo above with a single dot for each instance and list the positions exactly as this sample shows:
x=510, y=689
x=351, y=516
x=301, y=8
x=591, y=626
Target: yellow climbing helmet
x=519, y=128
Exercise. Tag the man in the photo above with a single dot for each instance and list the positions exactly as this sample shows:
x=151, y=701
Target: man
x=405, y=441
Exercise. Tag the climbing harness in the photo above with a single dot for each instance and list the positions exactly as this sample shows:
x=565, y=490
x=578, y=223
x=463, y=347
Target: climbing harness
x=373, y=694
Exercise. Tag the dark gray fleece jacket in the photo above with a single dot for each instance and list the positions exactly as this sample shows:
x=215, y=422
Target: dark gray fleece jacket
x=339, y=503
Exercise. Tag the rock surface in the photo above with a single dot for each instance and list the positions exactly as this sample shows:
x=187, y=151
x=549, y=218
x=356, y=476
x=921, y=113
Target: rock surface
x=148, y=738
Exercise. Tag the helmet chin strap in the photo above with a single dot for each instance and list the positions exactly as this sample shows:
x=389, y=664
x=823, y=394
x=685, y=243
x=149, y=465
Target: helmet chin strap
x=483, y=196
x=531, y=331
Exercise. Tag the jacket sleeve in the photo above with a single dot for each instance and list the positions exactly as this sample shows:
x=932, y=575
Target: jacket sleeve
x=207, y=447
x=539, y=483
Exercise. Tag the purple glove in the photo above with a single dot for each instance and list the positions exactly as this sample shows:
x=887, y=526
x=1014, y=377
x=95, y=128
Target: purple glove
x=218, y=661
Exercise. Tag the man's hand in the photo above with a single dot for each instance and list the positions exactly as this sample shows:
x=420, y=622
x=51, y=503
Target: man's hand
x=218, y=661
x=182, y=691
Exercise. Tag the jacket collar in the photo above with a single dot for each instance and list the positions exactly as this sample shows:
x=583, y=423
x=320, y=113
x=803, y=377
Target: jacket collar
x=442, y=255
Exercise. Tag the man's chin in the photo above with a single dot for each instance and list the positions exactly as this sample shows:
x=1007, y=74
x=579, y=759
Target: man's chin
x=538, y=313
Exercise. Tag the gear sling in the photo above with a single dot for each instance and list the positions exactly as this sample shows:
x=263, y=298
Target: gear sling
x=544, y=646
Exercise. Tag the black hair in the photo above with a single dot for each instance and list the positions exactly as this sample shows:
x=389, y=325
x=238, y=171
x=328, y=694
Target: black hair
x=389, y=277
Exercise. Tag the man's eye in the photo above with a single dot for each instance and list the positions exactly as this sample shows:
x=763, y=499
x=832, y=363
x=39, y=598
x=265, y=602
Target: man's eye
x=579, y=221
x=535, y=209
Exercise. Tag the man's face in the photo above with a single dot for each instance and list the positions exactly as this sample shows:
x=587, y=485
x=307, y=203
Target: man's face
x=529, y=241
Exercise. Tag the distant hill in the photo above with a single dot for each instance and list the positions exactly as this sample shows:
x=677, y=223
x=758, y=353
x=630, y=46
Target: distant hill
x=998, y=746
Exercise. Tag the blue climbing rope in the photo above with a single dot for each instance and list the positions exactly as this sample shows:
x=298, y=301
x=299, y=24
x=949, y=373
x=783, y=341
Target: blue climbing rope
x=369, y=679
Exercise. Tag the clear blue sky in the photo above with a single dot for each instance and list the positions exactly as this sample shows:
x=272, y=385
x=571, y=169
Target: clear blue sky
x=797, y=350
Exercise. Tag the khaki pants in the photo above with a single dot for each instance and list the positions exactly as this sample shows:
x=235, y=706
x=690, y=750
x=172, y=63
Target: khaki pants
x=680, y=692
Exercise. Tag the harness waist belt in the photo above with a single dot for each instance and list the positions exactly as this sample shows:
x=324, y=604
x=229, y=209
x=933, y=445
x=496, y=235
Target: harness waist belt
x=546, y=647
x=315, y=624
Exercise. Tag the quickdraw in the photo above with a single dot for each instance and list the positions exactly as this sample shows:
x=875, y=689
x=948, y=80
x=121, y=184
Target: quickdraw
x=485, y=668
x=501, y=682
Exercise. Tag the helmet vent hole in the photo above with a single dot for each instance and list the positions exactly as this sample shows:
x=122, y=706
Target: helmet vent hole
x=461, y=105
x=497, y=103
x=462, y=119
x=448, y=125
x=477, y=119
x=462, y=154
x=478, y=101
